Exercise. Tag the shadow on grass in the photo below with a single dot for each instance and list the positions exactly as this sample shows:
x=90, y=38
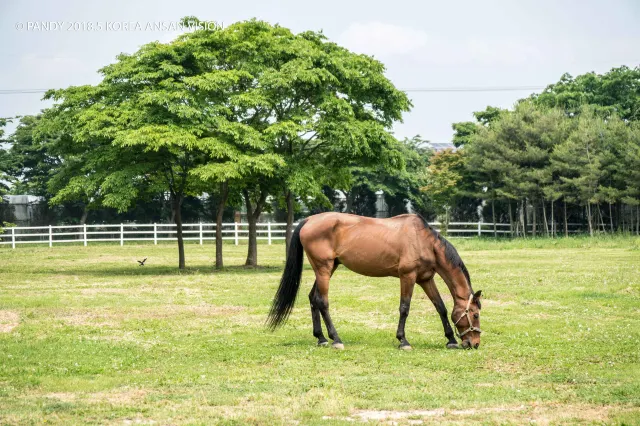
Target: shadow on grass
x=147, y=270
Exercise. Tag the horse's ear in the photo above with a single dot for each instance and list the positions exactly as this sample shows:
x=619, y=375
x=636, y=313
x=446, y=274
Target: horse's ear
x=477, y=295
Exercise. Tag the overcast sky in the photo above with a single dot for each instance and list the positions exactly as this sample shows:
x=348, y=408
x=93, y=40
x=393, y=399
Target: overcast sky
x=424, y=44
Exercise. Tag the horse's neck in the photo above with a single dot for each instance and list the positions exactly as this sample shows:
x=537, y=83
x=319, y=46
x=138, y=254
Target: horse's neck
x=457, y=284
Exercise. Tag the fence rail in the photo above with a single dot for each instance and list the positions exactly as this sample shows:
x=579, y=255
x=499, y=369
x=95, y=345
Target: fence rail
x=200, y=232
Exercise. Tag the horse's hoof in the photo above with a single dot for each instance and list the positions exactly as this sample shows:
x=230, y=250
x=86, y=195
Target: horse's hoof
x=405, y=347
x=453, y=346
x=323, y=344
x=338, y=346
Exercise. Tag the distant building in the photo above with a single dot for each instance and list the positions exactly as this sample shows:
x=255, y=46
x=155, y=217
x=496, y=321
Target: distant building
x=440, y=146
x=22, y=208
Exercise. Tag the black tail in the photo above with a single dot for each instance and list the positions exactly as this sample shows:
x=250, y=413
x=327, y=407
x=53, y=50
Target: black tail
x=289, y=283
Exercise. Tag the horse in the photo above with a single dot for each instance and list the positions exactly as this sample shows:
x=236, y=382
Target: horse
x=403, y=246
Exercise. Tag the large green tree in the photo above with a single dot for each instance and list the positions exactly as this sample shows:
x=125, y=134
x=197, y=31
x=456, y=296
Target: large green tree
x=307, y=101
x=319, y=105
x=154, y=120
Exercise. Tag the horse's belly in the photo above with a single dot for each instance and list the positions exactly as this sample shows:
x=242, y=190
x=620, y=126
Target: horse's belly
x=365, y=263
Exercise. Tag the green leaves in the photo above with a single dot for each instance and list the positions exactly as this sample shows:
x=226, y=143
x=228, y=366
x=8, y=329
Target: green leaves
x=616, y=92
x=252, y=106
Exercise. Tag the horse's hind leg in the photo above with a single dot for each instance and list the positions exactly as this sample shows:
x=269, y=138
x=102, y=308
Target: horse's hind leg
x=407, y=283
x=430, y=288
x=323, y=271
x=315, y=316
x=314, y=297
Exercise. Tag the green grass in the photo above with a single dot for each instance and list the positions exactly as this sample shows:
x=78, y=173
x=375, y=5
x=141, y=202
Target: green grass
x=87, y=336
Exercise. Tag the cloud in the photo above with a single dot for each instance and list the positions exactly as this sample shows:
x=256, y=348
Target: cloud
x=380, y=39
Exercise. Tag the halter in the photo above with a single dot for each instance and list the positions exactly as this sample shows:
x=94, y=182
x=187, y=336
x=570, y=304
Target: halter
x=466, y=313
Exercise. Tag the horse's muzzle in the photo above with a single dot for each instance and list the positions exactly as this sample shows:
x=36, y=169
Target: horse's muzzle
x=466, y=344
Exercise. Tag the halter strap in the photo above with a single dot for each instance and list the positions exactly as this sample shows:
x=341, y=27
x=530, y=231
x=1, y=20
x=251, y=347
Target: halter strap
x=466, y=313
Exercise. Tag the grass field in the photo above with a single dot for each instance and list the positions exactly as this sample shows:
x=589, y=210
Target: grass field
x=87, y=336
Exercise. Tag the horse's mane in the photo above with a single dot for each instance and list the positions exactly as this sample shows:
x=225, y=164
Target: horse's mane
x=450, y=252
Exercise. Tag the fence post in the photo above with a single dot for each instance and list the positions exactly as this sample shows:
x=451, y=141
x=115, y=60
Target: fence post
x=121, y=234
x=200, y=233
x=479, y=229
x=13, y=238
x=235, y=226
x=84, y=226
x=50, y=236
x=269, y=232
x=155, y=233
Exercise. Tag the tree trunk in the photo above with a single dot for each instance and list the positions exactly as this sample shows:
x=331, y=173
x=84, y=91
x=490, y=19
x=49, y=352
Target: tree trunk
x=523, y=217
x=85, y=213
x=534, y=219
x=252, y=252
x=510, y=220
x=544, y=218
x=177, y=215
x=611, y=217
x=566, y=224
x=253, y=213
x=604, y=230
x=589, y=219
x=224, y=194
x=289, y=232
x=83, y=219
x=493, y=215
x=553, y=221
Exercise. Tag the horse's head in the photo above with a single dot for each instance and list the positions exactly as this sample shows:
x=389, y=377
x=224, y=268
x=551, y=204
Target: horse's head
x=466, y=318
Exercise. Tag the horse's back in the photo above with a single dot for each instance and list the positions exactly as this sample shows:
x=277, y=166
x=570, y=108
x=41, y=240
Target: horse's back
x=369, y=246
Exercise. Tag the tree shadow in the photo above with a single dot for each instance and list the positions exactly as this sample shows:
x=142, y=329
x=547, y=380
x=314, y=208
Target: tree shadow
x=149, y=270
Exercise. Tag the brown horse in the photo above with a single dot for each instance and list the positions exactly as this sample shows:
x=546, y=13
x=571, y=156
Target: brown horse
x=403, y=246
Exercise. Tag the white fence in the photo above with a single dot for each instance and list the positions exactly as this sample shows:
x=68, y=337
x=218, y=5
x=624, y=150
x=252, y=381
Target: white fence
x=200, y=232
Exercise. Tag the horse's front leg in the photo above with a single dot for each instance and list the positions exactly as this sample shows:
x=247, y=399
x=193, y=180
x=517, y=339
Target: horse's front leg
x=407, y=283
x=430, y=288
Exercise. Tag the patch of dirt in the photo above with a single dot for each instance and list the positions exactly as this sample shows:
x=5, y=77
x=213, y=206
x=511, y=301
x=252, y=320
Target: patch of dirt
x=118, y=397
x=367, y=415
x=87, y=318
x=546, y=413
x=124, y=396
x=8, y=321
x=106, y=290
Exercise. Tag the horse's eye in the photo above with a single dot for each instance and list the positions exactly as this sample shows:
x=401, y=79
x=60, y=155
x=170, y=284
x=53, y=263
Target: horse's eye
x=476, y=316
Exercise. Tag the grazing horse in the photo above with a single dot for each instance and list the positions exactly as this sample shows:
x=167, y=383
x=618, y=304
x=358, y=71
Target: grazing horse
x=402, y=246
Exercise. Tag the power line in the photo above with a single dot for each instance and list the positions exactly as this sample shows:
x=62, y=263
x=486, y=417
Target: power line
x=20, y=91
x=414, y=90
x=475, y=89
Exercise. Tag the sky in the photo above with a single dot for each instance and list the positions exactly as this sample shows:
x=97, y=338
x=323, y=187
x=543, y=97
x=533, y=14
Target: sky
x=423, y=44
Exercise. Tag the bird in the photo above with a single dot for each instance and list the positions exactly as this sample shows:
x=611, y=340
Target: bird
x=141, y=263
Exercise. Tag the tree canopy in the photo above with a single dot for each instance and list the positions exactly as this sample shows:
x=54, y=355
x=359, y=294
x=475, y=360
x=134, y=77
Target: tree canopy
x=251, y=103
